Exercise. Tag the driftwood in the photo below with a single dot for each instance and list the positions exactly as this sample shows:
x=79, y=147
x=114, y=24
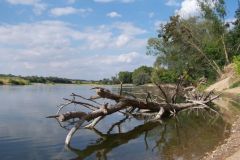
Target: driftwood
x=131, y=106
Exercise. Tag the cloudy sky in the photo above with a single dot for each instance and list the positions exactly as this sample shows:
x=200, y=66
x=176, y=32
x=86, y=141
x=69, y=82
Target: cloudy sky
x=84, y=39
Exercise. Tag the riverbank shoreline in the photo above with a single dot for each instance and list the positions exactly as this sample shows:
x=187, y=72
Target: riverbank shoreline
x=230, y=149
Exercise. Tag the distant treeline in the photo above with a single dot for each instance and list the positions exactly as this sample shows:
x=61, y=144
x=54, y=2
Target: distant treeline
x=24, y=80
x=36, y=79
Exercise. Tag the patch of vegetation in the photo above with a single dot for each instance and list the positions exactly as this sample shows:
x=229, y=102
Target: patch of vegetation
x=125, y=77
x=236, y=84
x=142, y=75
x=18, y=81
x=163, y=75
x=1, y=82
x=36, y=79
x=236, y=61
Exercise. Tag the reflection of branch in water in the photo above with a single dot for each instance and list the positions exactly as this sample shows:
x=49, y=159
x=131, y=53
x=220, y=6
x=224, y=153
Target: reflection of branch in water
x=177, y=131
x=117, y=124
x=107, y=142
x=145, y=140
x=60, y=124
x=162, y=138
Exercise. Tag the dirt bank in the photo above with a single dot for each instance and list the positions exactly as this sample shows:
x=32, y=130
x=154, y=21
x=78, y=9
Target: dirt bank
x=230, y=150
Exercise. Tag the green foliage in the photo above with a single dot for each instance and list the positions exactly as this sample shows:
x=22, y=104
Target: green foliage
x=1, y=82
x=233, y=37
x=105, y=81
x=193, y=45
x=125, y=77
x=160, y=75
x=36, y=79
x=16, y=81
x=187, y=46
x=236, y=61
x=78, y=82
x=142, y=75
x=236, y=84
x=115, y=80
x=141, y=79
x=214, y=14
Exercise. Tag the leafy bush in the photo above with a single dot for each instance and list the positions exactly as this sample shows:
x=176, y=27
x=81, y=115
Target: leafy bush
x=236, y=84
x=18, y=82
x=163, y=76
x=125, y=77
x=142, y=75
x=236, y=61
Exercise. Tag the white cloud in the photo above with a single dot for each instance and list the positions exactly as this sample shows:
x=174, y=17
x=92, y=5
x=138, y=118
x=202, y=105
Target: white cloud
x=59, y=49
x=129, y=29
x=23, y=2
x=69, y=10
x=122, y=58
x=189, y=8
x=122, y=40
x=114, y=14
x=230, y=22
x=38, y=6
x=172, y=2
x=127, y=58
x=28, y=65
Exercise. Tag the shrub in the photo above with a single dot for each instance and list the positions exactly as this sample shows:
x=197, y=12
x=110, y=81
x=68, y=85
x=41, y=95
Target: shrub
x=163, y=76
x=236, y=61
x=236, y=84
x=18, y=82
x=142, y=75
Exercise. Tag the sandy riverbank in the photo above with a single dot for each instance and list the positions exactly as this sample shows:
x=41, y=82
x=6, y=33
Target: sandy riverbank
x=230, y=150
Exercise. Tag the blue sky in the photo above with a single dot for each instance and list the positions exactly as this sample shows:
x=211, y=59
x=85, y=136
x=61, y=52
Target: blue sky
x=84, y=39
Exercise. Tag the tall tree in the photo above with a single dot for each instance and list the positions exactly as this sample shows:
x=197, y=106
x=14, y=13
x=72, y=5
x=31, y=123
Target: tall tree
x=125, y=77
x=234, y=34
x=214, y=11
x=196, y=45
x=142, y=75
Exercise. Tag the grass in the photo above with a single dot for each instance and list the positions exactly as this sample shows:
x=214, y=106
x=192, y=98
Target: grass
x=13, y=81
x=236, y=84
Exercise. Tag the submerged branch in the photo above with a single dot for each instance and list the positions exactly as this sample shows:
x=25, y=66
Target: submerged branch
x=126, y=105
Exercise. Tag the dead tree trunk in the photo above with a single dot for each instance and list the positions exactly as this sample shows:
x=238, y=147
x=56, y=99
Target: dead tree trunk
x=145, y=107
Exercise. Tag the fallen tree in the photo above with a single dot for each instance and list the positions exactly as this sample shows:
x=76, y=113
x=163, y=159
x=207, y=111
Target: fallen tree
x=153, y=107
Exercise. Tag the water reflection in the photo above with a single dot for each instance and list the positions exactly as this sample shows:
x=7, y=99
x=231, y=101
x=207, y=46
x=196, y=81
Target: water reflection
x=25, y=133
x=107, y=142
x=188, y=138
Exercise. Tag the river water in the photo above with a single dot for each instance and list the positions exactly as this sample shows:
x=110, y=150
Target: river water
x=25, y=133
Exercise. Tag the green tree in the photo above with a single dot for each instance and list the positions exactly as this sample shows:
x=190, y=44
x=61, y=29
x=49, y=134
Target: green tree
x=214, y=12
x=234, y=34
x=115, y=80
x=196, y=45
x=161, y=75
x=125, y=77
x=142, y=75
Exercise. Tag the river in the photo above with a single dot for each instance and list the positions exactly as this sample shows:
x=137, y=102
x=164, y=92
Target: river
x=25, y=133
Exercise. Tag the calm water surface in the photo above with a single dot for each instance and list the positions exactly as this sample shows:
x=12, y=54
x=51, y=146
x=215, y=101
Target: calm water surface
x=25, y=133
